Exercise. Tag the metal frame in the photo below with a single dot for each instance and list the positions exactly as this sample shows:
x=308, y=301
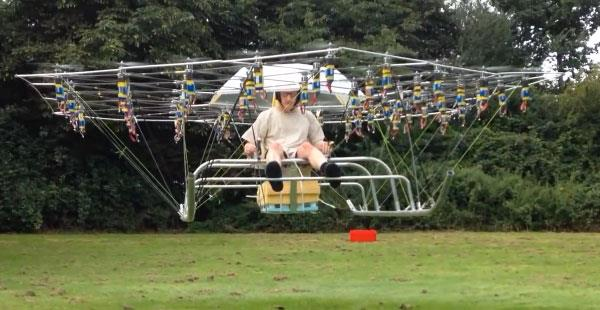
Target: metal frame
x=245, y=60
x=203, y=113
x=201, y=181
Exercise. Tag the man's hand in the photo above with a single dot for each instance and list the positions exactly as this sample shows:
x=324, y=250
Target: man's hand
x=325, y=147
x=249, y=149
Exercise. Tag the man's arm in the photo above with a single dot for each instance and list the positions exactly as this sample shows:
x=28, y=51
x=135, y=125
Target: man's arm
x=252, y=134
x=324, y=146
x=316, y=136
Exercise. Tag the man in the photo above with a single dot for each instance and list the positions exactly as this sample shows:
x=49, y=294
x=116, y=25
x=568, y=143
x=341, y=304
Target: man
x=287, y=132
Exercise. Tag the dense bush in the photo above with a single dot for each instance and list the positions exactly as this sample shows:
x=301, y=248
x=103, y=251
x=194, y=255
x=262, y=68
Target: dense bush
x=537, y=171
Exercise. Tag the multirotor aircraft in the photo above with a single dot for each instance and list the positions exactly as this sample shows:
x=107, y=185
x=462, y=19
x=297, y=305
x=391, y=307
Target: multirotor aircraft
x=362, y=92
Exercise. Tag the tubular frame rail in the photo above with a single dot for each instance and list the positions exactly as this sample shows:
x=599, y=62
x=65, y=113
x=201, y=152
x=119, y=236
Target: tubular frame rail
x=198, y=181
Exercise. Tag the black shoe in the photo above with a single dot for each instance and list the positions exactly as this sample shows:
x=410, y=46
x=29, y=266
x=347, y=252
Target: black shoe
x=273, y=170
x=333, y=171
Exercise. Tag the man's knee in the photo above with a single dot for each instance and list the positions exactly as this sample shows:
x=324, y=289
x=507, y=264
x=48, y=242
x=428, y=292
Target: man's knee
x=305, y=148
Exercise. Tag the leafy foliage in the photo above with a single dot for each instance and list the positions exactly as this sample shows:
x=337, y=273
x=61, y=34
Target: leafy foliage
x=546, y=28
x=485, y=36
x=537, y=171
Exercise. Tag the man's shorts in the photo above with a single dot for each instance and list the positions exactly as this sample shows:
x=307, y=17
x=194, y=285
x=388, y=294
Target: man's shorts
x=290, y=153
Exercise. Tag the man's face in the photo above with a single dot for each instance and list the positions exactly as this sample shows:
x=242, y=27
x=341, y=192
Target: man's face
x=288, y=100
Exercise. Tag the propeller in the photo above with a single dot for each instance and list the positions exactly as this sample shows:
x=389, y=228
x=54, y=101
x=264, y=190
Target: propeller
x=315, y=45
x=180, y=59
x=508, y=68
x=49, y=67
x=246, y=52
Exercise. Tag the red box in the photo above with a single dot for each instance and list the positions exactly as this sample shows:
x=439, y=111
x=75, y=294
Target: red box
x=363, y=235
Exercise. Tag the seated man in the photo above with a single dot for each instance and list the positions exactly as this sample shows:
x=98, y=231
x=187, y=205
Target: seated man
x=287, y=132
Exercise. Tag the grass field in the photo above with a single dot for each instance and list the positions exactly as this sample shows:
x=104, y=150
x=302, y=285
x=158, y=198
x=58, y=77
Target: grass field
x=415, y=270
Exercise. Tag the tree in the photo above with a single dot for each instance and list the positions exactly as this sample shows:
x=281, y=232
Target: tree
x=291, y=25
x=420, y=29
x=484, y=35
x=79, y=184
x=553, y=28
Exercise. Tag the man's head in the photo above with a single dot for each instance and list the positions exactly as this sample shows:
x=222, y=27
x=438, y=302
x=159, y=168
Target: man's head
x=287, y=99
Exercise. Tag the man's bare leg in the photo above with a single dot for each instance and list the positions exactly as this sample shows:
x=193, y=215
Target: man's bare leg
x=275, y=153
x=273, y=168
x=312, y=154
x=319, y=162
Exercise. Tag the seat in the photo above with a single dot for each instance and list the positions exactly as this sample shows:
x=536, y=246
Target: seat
x=296, y=196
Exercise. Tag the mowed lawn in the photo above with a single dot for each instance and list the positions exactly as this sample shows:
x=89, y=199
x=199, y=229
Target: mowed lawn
x=408, y=270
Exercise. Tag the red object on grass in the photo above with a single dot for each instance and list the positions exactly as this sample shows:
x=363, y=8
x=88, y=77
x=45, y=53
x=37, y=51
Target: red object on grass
x=363, y=235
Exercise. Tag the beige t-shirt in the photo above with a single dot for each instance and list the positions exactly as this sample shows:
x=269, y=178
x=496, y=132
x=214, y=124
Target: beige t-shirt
x=289, y=129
